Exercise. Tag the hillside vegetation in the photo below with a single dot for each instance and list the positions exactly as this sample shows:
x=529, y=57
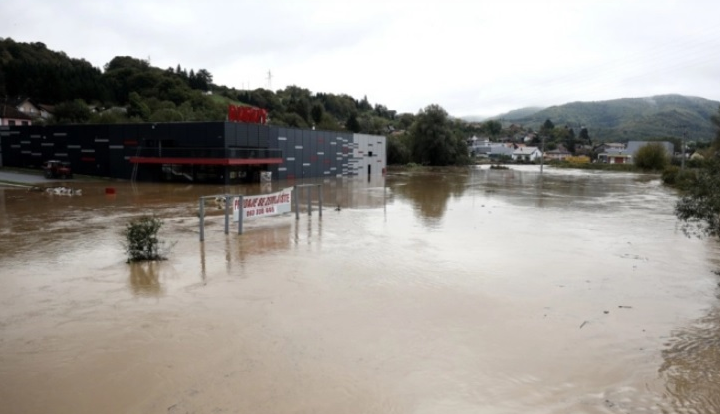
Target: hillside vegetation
x=630, y=118
x=128, y=89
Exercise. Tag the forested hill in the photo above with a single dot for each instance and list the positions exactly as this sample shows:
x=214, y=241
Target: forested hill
x=631, y=118
x=128, y=89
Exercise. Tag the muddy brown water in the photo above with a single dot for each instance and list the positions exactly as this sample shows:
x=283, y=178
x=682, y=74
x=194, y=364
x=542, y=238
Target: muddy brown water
x=485, y=291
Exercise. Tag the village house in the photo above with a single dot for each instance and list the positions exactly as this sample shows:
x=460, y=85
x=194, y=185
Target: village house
x=526, y=154
x=615, y=153
x=32, y=109
x=11, y=116
x=559, y=154
x=484, y=148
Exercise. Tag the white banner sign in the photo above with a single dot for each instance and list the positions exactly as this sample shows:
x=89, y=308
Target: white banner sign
x=263, y=205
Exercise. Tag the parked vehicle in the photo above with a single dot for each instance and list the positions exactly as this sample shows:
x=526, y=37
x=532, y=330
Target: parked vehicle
x=57, y=169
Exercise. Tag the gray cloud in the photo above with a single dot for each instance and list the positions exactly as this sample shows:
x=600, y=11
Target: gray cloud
x=473, y=58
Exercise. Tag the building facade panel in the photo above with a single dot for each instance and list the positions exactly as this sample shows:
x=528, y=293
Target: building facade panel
x=264, y=136
x=194, y=151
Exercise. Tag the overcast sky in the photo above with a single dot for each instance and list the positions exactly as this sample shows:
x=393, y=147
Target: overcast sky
x=470, y=57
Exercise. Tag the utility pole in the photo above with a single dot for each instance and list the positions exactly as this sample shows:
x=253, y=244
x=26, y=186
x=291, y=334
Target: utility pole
x=682, y=150
x=542, y=153
x=269, y=78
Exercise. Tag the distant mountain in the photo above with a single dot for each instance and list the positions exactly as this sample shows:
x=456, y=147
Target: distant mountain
x=521, y=113
x=508, y=116
x=474, y=118
x=626, y=119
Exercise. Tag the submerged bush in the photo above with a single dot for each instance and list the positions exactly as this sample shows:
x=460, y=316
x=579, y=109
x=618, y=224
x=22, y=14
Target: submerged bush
x=679, y=178
x=141, y=239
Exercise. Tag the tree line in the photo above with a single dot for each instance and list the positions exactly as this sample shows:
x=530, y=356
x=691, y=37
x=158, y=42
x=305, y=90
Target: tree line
x=128, y=89
x=699, y=205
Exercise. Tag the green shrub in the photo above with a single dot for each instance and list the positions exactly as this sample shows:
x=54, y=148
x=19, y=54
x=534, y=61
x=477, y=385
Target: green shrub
x=669, y=174
x=141, y=239
x=695, y=162
x=679, y=178
x=652, y=157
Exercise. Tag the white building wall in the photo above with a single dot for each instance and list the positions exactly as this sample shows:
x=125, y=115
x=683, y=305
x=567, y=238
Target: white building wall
x=369, y=154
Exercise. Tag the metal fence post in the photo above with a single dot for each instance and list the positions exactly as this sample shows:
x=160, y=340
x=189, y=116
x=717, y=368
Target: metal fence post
x=320, y=198
x=240, y=214
x=202, y=218
x=309, y=196
x=227, y=218
x=297, y=202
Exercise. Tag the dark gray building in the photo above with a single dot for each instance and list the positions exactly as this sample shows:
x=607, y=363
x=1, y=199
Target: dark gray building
x=218, y=152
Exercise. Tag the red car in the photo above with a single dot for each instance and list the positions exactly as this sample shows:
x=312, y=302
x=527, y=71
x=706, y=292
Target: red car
x=57, y=169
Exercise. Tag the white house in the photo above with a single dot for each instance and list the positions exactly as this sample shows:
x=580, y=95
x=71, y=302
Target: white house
x=484, y=148
x=528, y=154
x=11, y=116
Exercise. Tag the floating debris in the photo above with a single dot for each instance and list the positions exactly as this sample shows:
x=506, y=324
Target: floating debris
x=66, y=191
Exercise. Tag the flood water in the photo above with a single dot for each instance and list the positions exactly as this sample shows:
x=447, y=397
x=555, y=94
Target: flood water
x=484, y=291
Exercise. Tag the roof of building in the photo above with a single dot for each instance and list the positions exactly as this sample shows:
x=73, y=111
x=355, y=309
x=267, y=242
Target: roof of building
x=562, y=151
x=525, y=150
x=47, y=108
x=10, y=112
x=613, y=145
x=633, y=146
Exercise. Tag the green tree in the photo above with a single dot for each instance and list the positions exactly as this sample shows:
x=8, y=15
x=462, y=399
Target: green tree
x=137, y=108
x=73, y=112
x=290, y=119
x=584, y=134
x=699, y=207
x=167, y=115
x=364, y=104
x=493, y=127
x=317, y=112
x=339, y=106
x=652, y=156
x=141, y=240
x=715, y=119
x=371, y=124
x=352, y=123
x=547, y=127
x=406, y=120
x=398, y=150
x=433, y=141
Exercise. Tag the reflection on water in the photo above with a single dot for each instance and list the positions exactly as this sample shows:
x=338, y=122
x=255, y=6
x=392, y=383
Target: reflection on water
x=469, y=291
x=429, y=193
x=145, y=278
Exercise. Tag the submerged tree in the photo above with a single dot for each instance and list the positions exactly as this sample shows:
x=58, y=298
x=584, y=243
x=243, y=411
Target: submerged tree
x=433, y=140
x=652, y=157
x=141, y=238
